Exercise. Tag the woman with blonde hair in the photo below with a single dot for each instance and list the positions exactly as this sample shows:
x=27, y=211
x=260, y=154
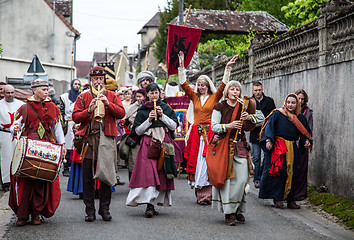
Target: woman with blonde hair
x=203, y=99
x=227, y=120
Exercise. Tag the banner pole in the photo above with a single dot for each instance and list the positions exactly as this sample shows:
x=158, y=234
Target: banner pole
x=120, y=63
x=189, y=9
x=72, y=63
x=146, y=55
x=164, y=87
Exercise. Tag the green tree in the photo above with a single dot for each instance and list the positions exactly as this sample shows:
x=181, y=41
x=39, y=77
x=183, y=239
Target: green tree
x=273, y=7
x=230, y=45
x=169, y=13
x=301, y=12
x=206, y=4
x=1, y=50
x=211, y=44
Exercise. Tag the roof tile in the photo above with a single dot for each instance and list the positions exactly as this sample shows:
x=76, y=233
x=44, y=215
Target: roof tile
x=225, y=21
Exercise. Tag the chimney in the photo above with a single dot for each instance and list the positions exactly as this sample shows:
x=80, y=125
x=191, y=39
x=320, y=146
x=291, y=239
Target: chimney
x=125, y=50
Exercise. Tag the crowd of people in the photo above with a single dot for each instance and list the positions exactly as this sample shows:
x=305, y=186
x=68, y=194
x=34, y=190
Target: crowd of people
x=100, y=130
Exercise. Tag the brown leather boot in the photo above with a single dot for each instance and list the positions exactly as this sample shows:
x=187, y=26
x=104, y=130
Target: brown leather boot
x=278, y=204
x=36, y=220
x=21, y=222
x=293, y=205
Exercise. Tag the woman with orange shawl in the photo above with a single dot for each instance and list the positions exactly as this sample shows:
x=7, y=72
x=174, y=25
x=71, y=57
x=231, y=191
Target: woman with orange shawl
x=278, y=139
x=203, y=99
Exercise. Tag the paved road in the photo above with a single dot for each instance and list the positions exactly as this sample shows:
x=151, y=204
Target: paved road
x=184, y=220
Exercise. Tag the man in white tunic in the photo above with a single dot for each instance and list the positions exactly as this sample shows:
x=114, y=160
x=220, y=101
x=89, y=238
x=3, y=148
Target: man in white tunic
x=67, y=102
x=8, y=108
x=2, y=85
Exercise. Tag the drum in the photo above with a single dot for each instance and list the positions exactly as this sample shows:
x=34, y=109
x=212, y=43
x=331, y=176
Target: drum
x=37, y=159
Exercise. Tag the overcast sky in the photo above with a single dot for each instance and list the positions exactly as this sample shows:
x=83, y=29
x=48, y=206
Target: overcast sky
x=111, y=24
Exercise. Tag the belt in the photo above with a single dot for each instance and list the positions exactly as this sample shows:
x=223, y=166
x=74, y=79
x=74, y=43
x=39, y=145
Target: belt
x=93, y=132
x=203, y=128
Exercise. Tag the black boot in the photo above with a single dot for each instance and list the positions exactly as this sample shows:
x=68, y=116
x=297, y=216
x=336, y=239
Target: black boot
x=6, y=187
x=66, y=164
x=66, y=171
x=150, y=211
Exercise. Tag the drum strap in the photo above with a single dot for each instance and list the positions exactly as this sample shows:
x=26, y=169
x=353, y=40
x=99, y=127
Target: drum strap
x=5, y=130
x=50, y=129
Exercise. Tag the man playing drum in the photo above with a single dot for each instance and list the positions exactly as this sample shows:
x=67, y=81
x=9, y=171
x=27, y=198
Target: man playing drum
x=97, y=111
x=39, y=120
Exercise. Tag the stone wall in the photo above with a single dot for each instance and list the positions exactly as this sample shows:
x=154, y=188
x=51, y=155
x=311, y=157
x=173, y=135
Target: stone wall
x=318, y=57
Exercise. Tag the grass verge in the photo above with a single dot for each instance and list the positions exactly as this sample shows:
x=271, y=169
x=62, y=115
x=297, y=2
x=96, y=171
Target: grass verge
x=337, y=206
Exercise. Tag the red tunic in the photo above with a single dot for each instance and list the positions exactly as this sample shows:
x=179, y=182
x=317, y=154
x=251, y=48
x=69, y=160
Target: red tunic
x=113, y=112
x=192, y=148
x=33, y=196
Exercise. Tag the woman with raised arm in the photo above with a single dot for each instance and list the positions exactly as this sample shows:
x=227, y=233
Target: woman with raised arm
x=203, y=99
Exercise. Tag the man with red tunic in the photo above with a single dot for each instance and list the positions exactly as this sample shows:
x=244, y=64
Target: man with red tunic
x=38, y=119
x=97, y=111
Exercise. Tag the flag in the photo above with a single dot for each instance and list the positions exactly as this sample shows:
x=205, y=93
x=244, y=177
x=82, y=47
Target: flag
x=183, y=39
x=109, y=67
x=110, y=81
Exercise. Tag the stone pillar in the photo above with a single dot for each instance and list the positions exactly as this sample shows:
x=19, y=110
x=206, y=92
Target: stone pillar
x=251, y=64
x=323, y=40
x=213, y=74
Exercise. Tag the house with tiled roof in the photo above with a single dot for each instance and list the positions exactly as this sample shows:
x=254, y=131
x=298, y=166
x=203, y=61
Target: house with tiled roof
x=82, y=71
x=43, y=28
x=233, y=22
x=124, y=68
x=148, y=33
x=100, y=57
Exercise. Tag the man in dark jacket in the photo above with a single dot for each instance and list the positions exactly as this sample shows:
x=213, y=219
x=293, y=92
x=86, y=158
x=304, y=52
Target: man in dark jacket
x=266, y=105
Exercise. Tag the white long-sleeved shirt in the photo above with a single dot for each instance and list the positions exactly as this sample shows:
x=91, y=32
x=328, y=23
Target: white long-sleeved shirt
x=58, y=130
x=216, y=127
x=172, y=125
